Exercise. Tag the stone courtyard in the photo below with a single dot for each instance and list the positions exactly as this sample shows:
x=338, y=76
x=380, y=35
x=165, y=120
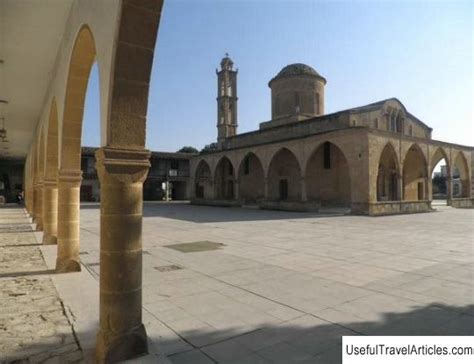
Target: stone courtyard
x=233, y=285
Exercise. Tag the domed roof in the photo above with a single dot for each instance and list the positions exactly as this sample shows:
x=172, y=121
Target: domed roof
x=297, y=69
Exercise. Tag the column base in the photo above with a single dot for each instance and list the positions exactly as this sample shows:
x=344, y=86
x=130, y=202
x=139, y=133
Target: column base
x=49, y=239
x=67, y=266
x=39, y=226
x=112, y=348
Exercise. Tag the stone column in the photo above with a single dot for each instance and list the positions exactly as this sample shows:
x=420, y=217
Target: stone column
x=50, y=212
x=304, y=198
x=449, y=189
x=265, y=189
x=69, y=191
x=400, y=188
x=121, y=173
x=236, y=189
x=38, y=218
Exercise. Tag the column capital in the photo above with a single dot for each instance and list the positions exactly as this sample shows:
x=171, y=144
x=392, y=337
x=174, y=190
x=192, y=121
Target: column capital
x=122, y=165
x=72, y=176
x=51, y=183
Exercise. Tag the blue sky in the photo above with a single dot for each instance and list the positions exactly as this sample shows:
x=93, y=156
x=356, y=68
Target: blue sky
x=418, y=51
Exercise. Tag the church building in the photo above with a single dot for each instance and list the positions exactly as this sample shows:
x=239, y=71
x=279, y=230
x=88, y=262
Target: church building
x=375, y=159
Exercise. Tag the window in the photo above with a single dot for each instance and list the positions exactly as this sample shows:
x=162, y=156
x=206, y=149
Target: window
x=247, y=166
x=411, y=130
x=376, y=123
x=317, y=104
x=327, y=155
x=174, y=164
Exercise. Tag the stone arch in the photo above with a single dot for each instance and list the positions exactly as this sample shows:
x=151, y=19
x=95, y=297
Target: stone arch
x=388, y=174
x=50, y=191
x=327, y=175
x=203, y=181
x=251, y=179
x=461, y=174
x=224, y=178
x=438, y=186
x=69, y=177
x=284, y=176
x=415, y=179
x=52, y=160
x=82, y=59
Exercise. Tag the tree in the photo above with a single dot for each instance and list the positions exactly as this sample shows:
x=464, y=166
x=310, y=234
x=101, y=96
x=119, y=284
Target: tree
x=188, y=149
x=209, y=148
x=439, y=184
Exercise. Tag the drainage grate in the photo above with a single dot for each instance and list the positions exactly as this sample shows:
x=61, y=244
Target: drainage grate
x=197, y=246
x=168, y=268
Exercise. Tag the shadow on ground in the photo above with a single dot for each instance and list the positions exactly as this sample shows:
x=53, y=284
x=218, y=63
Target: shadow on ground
x=311, y=341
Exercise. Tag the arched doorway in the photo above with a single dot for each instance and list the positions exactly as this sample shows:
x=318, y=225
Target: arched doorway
x=461, y=181
x=284, y=177
x=414, y=175
x=224, y=179
x=203, y=181
x=440, y=172
x=327, y=176
x=388, y=175
x=251, y=179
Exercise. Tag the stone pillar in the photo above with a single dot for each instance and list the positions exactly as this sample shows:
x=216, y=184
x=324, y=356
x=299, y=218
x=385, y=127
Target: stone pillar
x=236, y=189
x=449, y=189
x=38, y=218
x=400, y=188
x=265, y=189
x=304, y=198
x=121, y=173
x=50, y=212
x=69, y=192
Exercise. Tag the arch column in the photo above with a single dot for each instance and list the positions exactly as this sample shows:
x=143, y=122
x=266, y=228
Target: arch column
x=69, y=185
x=38, y=206
x=400, y=187
x=266, y=188
x=236, y=189
x=50, y=212
x=449, y=189
x=304, y=197
x=122, y=334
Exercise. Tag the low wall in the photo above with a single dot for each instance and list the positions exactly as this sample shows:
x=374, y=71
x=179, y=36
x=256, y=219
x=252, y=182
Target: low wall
x=297, y=206
x=465, y=203
x=221, y=203
x=398, y=207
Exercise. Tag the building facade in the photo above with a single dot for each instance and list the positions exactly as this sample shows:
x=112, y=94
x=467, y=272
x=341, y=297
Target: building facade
x=167, y=179
x=374, y=159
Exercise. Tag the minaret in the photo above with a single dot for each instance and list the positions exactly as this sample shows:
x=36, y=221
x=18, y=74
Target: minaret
x=226, y=100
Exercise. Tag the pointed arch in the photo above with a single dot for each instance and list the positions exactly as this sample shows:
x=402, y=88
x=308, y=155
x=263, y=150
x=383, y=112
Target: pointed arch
x=203, y=180
x=284, y=176
x=388, y=173
x=251, y=179
x=328, y=176
x=437, y=156
x=224, y=177
x=461, y=174
x=415, y=174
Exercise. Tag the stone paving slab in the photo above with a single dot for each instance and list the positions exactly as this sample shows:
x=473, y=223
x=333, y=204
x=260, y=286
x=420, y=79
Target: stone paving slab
x=33, y=325
x=286, y=286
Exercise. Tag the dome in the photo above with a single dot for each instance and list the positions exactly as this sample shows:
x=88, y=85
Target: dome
x=297, y=69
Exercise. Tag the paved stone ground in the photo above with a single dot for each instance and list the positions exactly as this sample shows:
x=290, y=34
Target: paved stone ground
x=283, y=288
x=33, y=326
x=287, y=286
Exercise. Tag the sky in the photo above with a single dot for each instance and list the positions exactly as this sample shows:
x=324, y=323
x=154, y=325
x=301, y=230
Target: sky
x=420, y=52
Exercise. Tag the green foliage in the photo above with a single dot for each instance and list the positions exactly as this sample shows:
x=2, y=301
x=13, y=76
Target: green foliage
x=188, y=149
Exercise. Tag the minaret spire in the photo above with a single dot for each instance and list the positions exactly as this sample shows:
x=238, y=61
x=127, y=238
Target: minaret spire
x=226, y=100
